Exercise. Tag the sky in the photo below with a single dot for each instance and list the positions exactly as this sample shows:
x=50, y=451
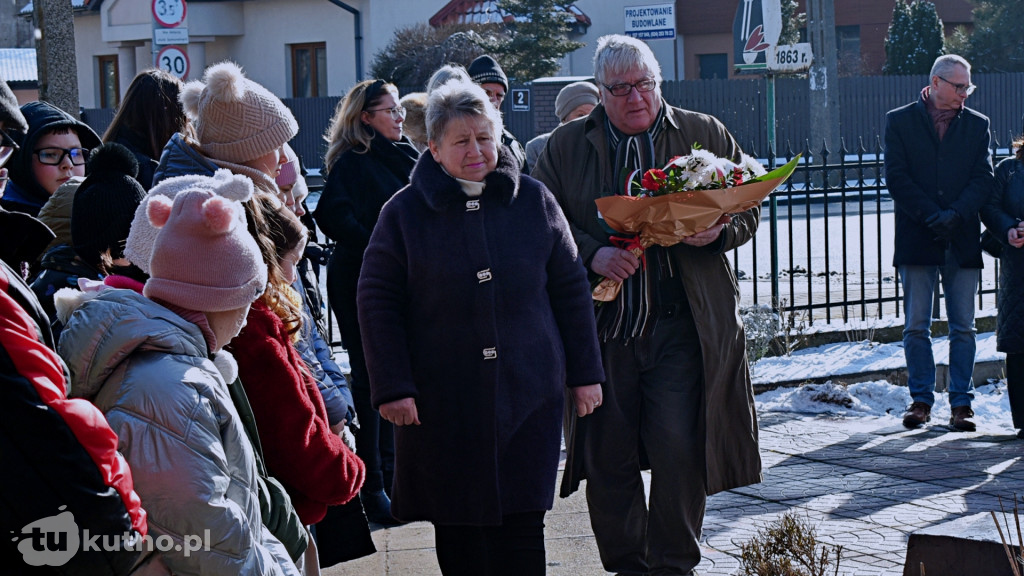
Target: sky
x=877, y=398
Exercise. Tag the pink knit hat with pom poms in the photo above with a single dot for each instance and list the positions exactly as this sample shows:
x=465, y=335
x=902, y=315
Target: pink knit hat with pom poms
x=204, y=258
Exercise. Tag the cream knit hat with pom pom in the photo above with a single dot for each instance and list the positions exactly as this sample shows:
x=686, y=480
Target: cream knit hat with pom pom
x=236, y=119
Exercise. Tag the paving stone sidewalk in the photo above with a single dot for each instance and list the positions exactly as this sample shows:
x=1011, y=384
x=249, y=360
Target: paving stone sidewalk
x=864, y=483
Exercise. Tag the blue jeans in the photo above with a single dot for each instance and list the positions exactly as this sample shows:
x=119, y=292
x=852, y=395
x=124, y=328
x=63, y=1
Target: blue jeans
x=959, y=285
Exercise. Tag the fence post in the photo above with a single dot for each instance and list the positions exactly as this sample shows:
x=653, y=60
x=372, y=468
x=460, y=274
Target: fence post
x=773, y=211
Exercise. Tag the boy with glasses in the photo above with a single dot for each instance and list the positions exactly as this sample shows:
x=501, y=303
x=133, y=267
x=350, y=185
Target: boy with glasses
x=53, y=149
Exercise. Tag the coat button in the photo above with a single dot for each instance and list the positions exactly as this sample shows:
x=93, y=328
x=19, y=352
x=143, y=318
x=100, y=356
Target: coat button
x=490, y=353
x=940, y=192
x=472, y=205
x=483, y=275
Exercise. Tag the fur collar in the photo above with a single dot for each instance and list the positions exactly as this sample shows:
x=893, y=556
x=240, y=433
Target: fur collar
x=440, y=189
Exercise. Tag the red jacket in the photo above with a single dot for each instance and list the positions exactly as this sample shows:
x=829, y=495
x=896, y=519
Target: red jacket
x=300, y=449
x=60, y=453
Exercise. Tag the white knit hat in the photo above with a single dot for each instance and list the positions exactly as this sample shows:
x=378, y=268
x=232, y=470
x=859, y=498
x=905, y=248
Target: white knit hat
x=236, y=120
x=138, y=247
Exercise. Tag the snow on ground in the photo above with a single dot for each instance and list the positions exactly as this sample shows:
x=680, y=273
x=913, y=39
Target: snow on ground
x=878, y=398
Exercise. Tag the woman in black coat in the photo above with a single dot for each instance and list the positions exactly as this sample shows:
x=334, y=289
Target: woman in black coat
x=476, y=316
x=1003, y=217
x=368, y=160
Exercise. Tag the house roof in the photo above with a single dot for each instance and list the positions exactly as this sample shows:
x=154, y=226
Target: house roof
x=18, y=65
x=75, y=4
x=487, y=12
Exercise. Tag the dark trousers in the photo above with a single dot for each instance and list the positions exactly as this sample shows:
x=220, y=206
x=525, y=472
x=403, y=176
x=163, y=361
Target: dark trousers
x=516, y=548
x=653, y=396
x=375, y=439
x=1015, y=387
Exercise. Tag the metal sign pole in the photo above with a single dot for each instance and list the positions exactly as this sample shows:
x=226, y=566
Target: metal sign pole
x=773, y=205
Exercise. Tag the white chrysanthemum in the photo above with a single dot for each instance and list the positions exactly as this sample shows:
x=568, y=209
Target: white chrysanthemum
x=751, y=167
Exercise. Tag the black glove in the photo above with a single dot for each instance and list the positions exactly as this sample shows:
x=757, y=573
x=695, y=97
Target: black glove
x=317, y=253
x=944, y=223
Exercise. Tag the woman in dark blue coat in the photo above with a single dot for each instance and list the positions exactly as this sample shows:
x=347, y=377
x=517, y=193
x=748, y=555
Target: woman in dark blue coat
x=368, y=160
x=476, y=315
x=1003, y=217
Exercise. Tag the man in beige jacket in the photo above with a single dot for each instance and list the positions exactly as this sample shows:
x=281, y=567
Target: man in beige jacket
x=678, y=396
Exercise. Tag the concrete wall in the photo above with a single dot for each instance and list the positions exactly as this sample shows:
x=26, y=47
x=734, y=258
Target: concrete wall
x=609, y=17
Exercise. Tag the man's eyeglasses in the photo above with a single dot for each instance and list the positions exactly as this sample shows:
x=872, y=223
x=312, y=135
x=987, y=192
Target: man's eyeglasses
x=964, y=89
x=54, y=156
x=396, y=112
x=623, y=89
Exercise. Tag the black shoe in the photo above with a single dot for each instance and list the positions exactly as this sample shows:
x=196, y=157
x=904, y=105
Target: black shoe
x=377, y=506
x=917, y=414
x=1020, y=433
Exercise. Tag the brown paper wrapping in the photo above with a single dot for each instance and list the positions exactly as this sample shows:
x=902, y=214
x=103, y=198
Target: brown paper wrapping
x=666, y=220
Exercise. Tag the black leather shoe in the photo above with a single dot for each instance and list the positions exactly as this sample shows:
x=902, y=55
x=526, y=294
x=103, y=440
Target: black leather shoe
x=377, y=506
x=917, y=414
x=959, y=419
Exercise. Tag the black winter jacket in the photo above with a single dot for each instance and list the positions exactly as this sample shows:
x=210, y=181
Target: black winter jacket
x=63, y=451
x=925, y=175
x=1003, y=211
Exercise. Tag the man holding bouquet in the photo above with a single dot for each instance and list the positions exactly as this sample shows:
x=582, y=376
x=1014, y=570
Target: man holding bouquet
x=678, y=397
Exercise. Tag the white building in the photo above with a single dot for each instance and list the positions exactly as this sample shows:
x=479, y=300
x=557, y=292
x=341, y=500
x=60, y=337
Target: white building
x=298, y=48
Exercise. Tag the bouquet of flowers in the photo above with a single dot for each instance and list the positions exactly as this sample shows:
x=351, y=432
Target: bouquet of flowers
x=689, y=195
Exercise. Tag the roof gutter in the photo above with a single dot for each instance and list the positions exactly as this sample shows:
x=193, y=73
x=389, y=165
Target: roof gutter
x=358, y=34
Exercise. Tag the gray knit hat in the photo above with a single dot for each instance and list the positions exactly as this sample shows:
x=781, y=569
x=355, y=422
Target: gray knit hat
x=10, y=112
x=573, y=96
x=236, y=120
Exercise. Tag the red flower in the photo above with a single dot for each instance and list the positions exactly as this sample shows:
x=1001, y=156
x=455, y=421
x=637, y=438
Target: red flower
x=653, y=180
x=737, y=176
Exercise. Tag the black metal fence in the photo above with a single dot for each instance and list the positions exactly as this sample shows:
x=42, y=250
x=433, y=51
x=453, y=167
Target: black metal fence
x=824, y=247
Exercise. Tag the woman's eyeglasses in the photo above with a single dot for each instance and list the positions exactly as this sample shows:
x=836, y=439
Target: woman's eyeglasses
x=54, y=156
x=396, y=112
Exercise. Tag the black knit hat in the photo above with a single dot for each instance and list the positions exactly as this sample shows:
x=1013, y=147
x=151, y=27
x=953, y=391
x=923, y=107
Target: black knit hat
x=485, y=70
x=105, y=204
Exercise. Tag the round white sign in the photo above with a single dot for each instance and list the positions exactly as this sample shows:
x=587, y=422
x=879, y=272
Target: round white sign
x=169, y=13
x=174, y=60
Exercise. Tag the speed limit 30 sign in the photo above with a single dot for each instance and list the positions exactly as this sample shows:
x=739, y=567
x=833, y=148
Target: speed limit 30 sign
x=174, y=60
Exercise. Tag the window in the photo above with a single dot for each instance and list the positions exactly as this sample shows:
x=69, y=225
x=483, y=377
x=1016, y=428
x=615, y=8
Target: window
x=848, y=49
x=713, y=66
x=110, y=95
x=309, y=70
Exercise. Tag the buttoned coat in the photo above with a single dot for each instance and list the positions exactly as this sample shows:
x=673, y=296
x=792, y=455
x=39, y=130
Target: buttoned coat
x=1003, y=211
x=479, y=309
x=926, y=175
x=576, y=167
